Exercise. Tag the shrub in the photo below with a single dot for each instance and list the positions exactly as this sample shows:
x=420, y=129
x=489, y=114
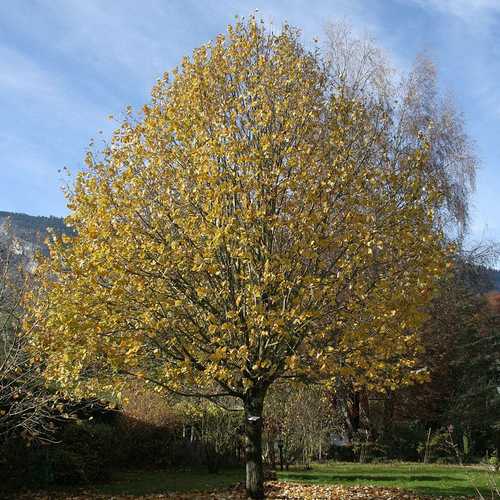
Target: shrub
x=84, y=452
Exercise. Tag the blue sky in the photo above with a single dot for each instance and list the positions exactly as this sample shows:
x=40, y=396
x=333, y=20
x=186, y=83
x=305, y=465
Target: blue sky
x=66, y=65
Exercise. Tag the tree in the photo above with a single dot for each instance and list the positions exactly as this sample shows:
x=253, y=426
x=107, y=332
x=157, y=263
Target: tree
x=360, y=68
x=251, y=224
x=26, y=407
x=300, y=417
x=472, y=401
x=457, y=408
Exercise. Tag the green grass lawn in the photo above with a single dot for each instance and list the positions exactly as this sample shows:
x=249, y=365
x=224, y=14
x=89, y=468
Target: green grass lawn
x=438, y=480
x=425, y=479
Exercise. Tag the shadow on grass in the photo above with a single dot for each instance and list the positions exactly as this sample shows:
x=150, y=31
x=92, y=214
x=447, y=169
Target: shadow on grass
x=137, y=483
x=167, y=481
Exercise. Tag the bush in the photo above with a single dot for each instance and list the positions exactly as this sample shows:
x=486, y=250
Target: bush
x=84, y=452
x=405, y=442
x=141, y=444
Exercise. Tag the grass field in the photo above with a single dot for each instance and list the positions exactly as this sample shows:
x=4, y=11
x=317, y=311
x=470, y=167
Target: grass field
x=436, y=480
x=439, y=480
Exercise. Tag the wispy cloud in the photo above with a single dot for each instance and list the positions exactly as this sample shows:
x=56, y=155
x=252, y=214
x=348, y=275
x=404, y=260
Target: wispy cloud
x=66, y=64
x=471, y=12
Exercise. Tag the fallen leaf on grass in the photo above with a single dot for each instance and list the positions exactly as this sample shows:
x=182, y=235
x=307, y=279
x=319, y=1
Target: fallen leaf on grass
x=274, y=490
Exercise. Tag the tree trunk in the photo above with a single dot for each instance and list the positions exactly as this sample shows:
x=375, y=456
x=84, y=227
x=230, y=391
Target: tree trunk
x=272, y=453
x=254, y=403
x=388, y=421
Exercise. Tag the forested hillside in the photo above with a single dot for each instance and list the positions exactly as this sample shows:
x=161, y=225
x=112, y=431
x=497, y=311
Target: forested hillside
x=29, y=231
x=495, y=277
x=32, y=228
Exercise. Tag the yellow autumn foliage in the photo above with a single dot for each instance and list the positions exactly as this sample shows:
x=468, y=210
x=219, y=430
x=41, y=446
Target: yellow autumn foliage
x=250, y=223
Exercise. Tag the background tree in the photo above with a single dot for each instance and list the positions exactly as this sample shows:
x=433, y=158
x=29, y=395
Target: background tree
x=302, y=418
x=470, y=400
x=252, y=224
x=454, y=414
x=362, y=70
x=26, y=407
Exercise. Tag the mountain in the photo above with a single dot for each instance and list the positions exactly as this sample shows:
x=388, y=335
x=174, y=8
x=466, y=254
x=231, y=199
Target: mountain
x=30, y=227
x=495, y=278
x=25, y=234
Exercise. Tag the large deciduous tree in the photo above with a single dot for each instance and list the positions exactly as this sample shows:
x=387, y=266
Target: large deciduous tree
x=252, y=223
